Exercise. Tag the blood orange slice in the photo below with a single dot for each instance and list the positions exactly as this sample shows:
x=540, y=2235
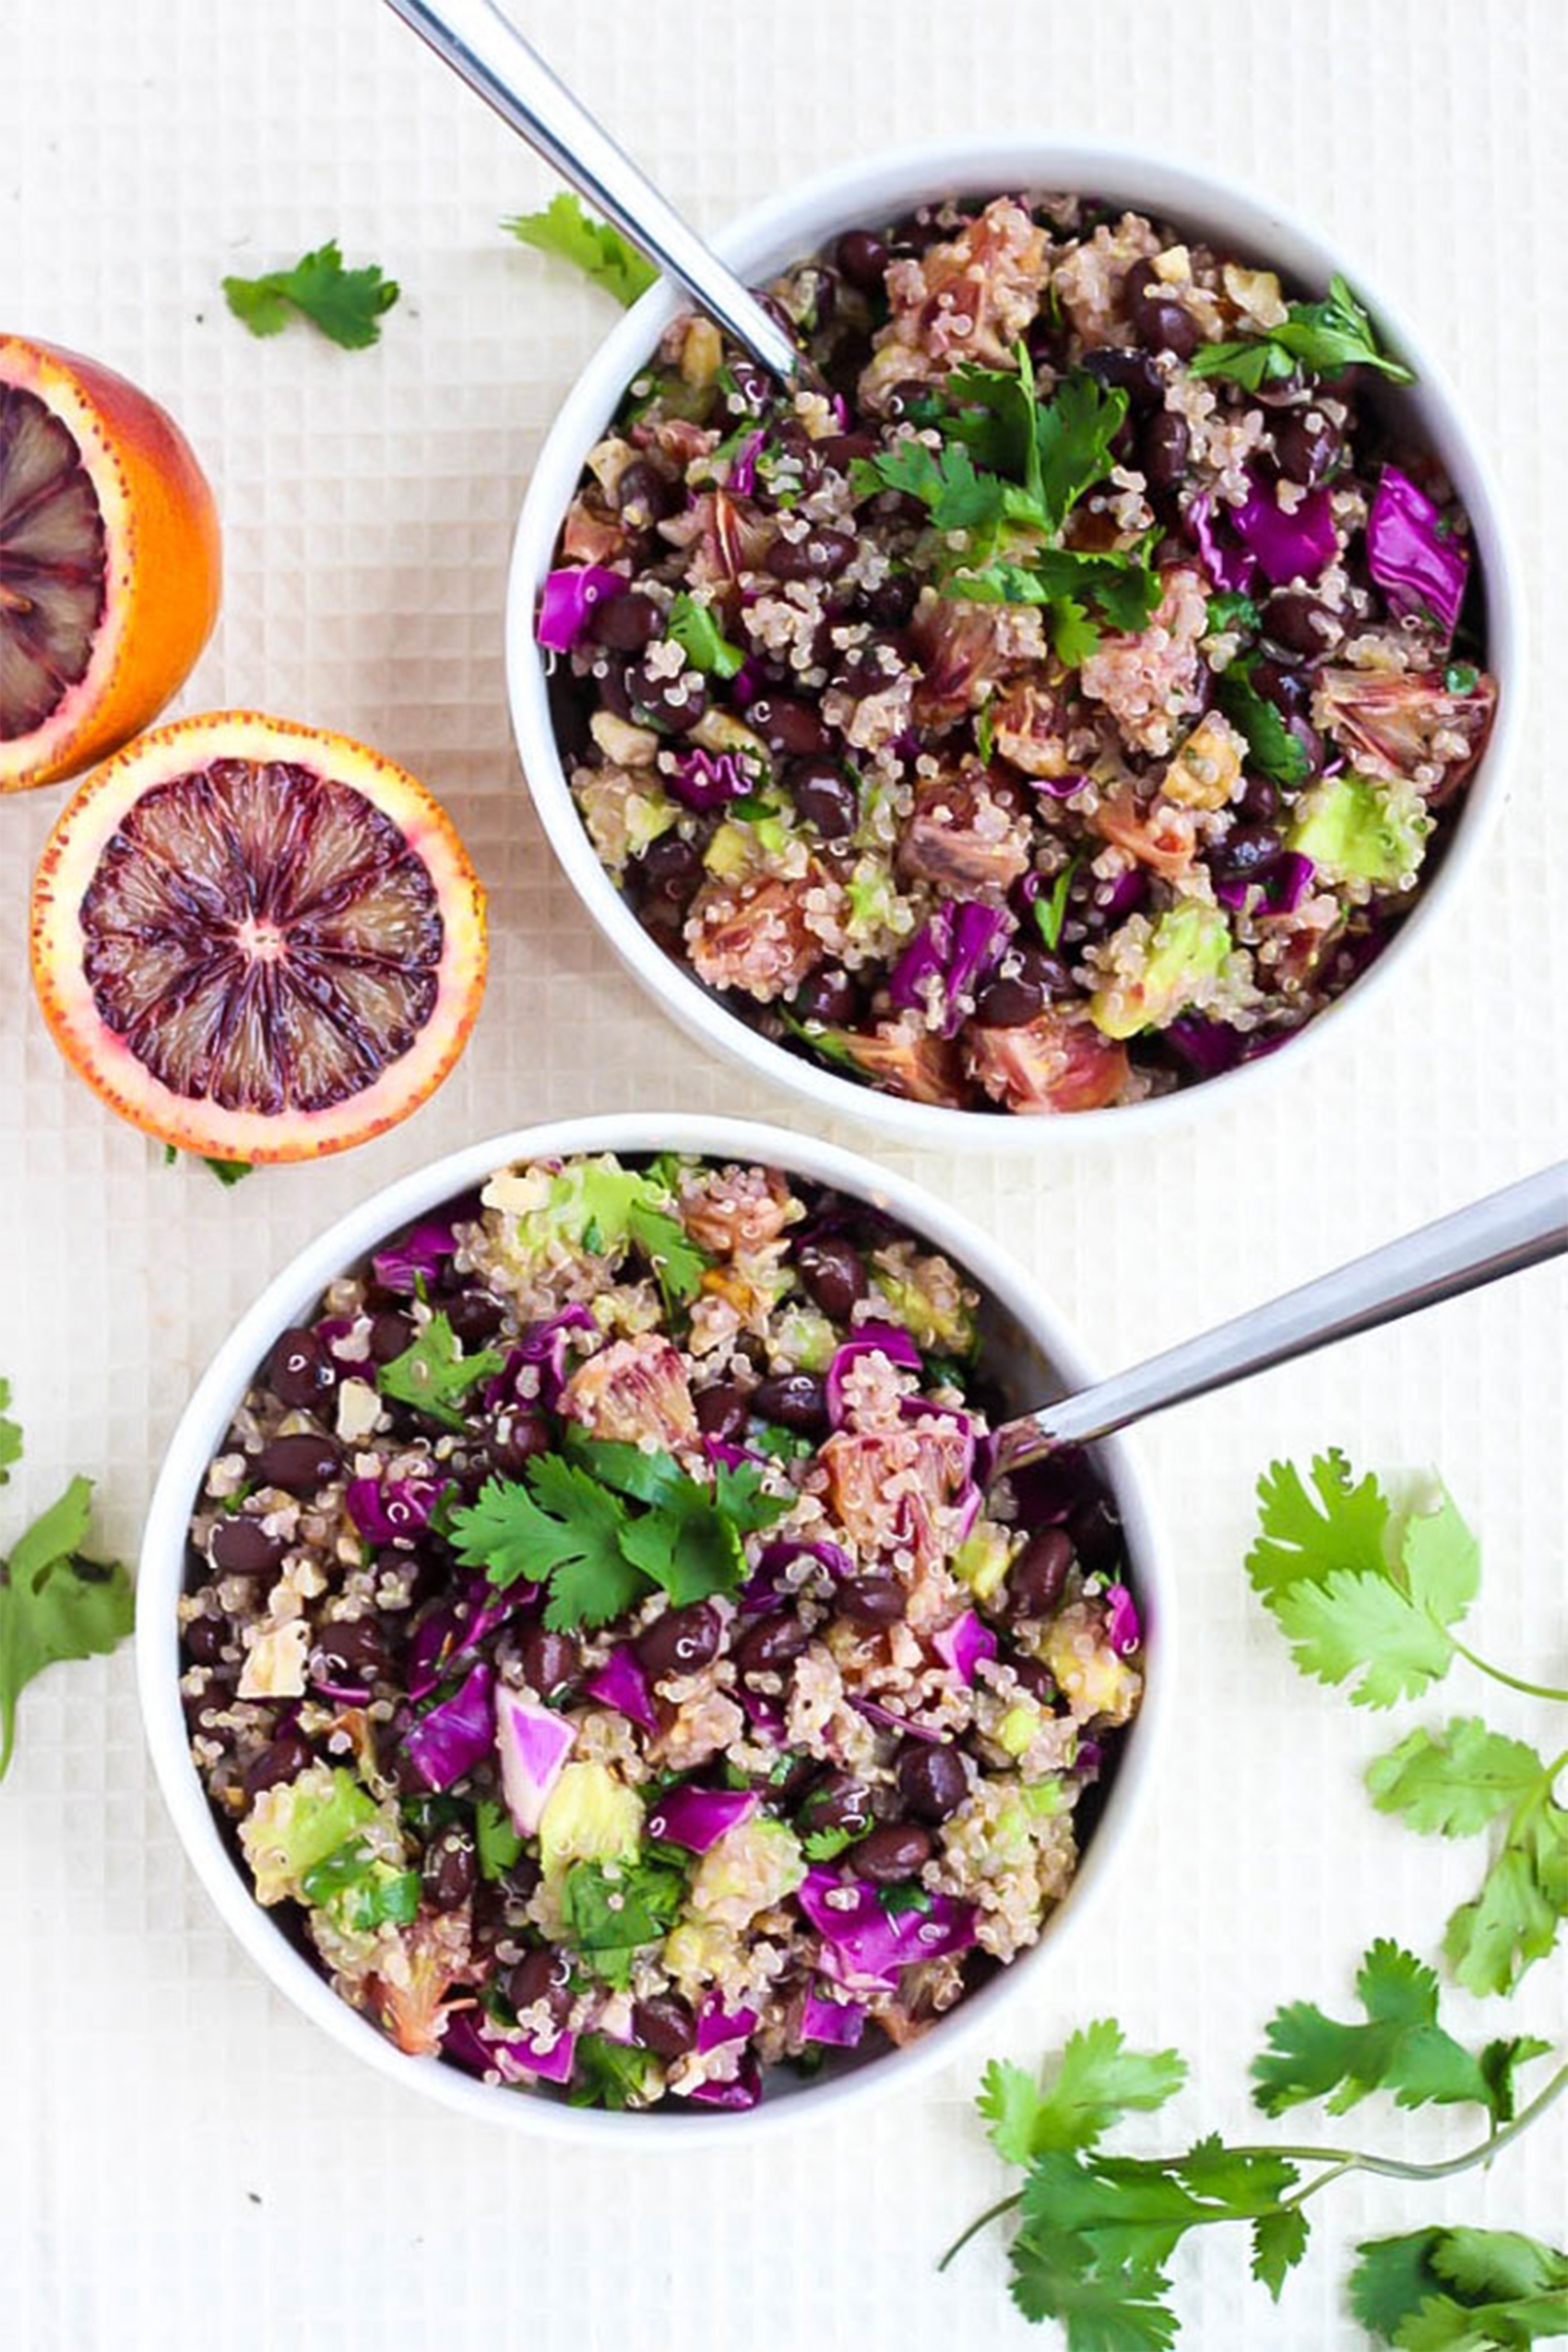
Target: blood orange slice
x=257, y=941
x=109, y=561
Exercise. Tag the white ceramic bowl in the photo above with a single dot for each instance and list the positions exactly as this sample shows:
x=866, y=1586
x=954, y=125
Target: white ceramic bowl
x=782, y=230
x=1036, y=1356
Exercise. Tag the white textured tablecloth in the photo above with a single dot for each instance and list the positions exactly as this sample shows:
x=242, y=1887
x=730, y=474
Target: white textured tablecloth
x=183, y=2162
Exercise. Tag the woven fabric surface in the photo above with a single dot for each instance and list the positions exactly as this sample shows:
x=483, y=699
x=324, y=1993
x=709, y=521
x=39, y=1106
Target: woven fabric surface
x=183, y=2160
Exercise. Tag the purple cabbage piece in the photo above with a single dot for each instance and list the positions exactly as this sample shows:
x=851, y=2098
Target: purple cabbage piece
x=735, y=2096
x=962, y=1645
x=566, y=599
x=723, y=1451
x=955, y=946
x=763, y=1713
x=422, y=1251
x=1058, y=788
x=839, y=2022
x=384, y=1509
x=1088, y=1760
x=870, y=1339
x=514, y=2056
x=1208, y=1047
x=1126, y=895
x=533, y=1743
x=1287, y=546
x=874, y=1941
x=706, y=780
x=1419, y=567
x=764, y=1587
x=716, y=2024
x=887, y=1719
x=621, y=1684
x=1122, y=1630
x=457, y=1735
x=743, y=465
x=1228, y=566
x=698, y=1818
x=332, y=1330
x=458, y=1627
x=543, y=1346
x=1283, y=881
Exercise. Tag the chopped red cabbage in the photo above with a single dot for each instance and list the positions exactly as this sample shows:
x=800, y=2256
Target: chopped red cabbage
x=698, y=1818
x=542, y=1347
x=825, y=2020
x=1122, y=1630
x=851, y=1917
x=1210, y=1047
x=384, y=1509
x=456, y=1627
x=1228, y=566
x=743, y=465
x=533, y=1743
x=735, y=2096
x=952, y=948
x=870, y=1339
x=1288, y=546
x=511, y=2056
x=1420, y=566
x=1283, y=882
x=763, y=1713
x=963, y=1644
x=887, y=1719
x=716, y=2023
x=706, y=780
x=1058, y=788
x=765, y=1589
x=621, y=1684
x=420, y=1253
x=568, y=596
x=454, y=1737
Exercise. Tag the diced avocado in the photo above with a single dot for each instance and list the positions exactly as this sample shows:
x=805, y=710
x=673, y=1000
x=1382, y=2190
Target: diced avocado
x=696, y=1952
x=742, y=843
x=924, y=1298
x=1017, y=1728
x=590, y=1816
x=806, y=1338
x=876, y=911
x=981, y=1560
x=1186, y=946
x=1044, y=1798
x=622, y=817
x=720, y=731
x=1356, y=831
x=752, y=1867
x=292, y=1828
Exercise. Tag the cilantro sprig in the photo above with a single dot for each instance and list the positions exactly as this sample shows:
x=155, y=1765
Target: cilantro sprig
x=601, y=253
x=1370, y=1594
x=1273, y=750
x=568, y=1524
x=433, y=1373
x=694, y=628
x=1096, y=2229
x=56, y=1603
x=1323, y=338
x=1451, y=2290
x=346, y=304
x=610, y=1909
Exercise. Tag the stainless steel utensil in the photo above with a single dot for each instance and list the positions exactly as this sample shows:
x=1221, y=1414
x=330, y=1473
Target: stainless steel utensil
x=487, y=50
x=1520, y=1226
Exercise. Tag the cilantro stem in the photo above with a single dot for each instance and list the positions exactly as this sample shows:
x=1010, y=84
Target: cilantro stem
x=992, y=2212
x=1531, y=1690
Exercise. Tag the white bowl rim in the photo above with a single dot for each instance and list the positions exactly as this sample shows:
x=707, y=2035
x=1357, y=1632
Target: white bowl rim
x=161, y=1578
x=767, y=235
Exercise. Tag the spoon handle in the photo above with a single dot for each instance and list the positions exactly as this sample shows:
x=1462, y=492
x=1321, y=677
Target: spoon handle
x=1520, y=1226
x=487, y=50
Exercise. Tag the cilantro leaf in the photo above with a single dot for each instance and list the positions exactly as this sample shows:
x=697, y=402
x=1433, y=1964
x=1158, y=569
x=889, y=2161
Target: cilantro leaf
x=1364, y=1626
x=985, y=731
x=1058, y=2276
x=610, y=1911
x=1051, y=913
x=687, y=1545
x=497, y=1841
x=1514, y=1921
x=742, y=1496
x=826, y=1844
x=693, y=628
x=1095, y=2082
x=1229, y=610
x=54, y=1604
x=945, y=480
x=601, y=252
x=1401, y=2049
x=1456, y=1780
x=1393, y=2279
x=1280, y=2241
x=613, y=2075
x=1073, y=432
x=1272, y=749
x=677, y=1262
x=591, y=1578
x=994, y=416
x=433, y=1372
x=1460, y=2290
x=1347, y=1527
x=346, y=304
x=230, y=1172
x=362, y=1891
x=10, y=1436
x=1324, y=338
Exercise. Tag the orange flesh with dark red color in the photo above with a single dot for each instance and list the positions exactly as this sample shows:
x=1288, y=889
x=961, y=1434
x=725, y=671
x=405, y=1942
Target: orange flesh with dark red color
x=52, y=562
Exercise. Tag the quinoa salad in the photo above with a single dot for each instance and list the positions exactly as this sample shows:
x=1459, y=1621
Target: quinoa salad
x=1062, y=703
x=603, y=1651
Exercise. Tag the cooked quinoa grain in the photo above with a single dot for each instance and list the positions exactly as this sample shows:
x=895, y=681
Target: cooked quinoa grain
x=628, y=1683
x=1063, y=704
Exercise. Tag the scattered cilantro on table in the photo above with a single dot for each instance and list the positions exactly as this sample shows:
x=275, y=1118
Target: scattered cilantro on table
x=228, y=1173
x=55, y=1604
x=433, y=1375
x=1453, y=2290
x=1324, y=338
x=601, y=253
x=346, y=304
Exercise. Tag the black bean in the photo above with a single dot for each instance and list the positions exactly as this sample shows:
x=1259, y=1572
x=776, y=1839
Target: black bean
x=351, y=1650
x=681, y=1642
x=1307, y=446
x=475, y=1317
x=861, y=257
x=625, y=622
x=302, y=1371
x=911, y=393
x=890, y=603
x=1259, y=802
x=673, y=704
x=1162, y=322
x=896, y=1851
x=829, y=994
x=1130, y=371
x=551, y=1662
x=722, y=1410
x=518, y=1440
x=1302, y=624
x=1288, y=688
x=1096, y=1532
x=540, y=1975
x=568, y=714
x=753, y=385
x=824, y=796
x=772, y=1644
x=871, y=1601
x=241, y=1547
x=1034, y=1678
x=1245, y=850
x=644, y=495
x=795, y=1400
x=832, y=1275
x=667, y=874
x=1007, y=1001
x=449, y=1870
x=1163, y=448
x=837, y=1801
x=285, y=1759
x=820, y=555
x=789, y=728
x=1036, y=1577
x=390, y=1332
x=665, y=2025
x=932, y=1781
x=839, y=450
x=205, y=1640
x=298, y=1465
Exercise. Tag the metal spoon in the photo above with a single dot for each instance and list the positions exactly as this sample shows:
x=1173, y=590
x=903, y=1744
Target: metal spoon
x=1523, y=1225
x=491, y=54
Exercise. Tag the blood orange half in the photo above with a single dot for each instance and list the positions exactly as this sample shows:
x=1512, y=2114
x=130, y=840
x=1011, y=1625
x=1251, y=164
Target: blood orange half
x=257, y=940
x=109, y=561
